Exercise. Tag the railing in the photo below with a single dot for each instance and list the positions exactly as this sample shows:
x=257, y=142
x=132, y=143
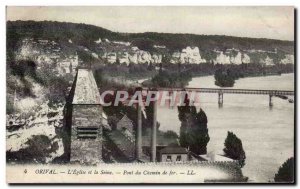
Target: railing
x=232, y=91
x=220, y=92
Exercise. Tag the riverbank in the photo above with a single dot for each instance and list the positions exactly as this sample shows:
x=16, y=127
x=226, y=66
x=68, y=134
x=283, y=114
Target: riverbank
x=146, y=81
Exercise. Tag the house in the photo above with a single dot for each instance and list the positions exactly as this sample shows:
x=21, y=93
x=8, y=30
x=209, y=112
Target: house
x=173, y=154
x=161, y=143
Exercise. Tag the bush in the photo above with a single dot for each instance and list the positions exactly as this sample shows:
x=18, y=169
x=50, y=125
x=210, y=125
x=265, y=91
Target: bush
x=286, y=171
x=234, y=148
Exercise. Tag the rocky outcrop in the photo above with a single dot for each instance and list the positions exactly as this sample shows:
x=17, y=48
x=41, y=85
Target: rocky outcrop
x=289, y=59
x=39, y=139
x=133, y=55
x=126, y=53
x=267, y=61
x=245, y=58
x=191, y=55
x=50, y=52
x=188, y=55
x=231, y=57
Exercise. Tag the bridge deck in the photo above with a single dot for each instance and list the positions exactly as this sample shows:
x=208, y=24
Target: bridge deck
x=231, y=91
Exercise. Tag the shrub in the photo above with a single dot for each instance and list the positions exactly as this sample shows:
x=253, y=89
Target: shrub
x=286, y=171
x=234, y=148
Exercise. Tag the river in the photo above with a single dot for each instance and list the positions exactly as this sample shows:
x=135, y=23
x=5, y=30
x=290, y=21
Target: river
x=267, y=133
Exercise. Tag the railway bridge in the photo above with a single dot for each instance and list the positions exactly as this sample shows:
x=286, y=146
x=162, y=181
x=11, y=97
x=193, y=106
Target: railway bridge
x=222, y=91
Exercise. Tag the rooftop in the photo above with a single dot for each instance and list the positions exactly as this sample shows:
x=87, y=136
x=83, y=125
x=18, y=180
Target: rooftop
x=160, y=140
x=174, y=150
x=125, y=118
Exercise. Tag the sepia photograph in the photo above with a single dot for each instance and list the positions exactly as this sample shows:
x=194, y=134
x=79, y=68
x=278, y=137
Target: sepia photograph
x=150, y=94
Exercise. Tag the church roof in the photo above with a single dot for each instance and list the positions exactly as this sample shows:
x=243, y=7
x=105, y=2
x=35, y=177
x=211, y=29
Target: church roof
x=86, y=90
x=174, y=150
x=160, y=140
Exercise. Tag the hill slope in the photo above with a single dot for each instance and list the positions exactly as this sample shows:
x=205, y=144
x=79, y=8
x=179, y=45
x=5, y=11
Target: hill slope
x=83, y=34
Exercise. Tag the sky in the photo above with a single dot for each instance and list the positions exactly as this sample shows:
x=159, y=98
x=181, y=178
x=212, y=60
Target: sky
x=256, y=22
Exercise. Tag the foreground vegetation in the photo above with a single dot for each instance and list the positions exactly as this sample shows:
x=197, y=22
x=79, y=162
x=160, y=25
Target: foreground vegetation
x=286, y=171
x=193, y=129
x=234, y=148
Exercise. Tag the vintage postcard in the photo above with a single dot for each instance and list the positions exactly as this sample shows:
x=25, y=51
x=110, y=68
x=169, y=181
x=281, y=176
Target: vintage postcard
x=150, y=94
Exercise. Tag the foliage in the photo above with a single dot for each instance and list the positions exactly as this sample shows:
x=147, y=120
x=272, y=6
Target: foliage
x=167, y=79
x=38, y=149
x=9, y=106
x=86, y=58
x=149, y=110
x=208, y=42
x=85, y=35
x=234, y=148
x=286, y=171
x=224, y=78
x=209, y=55
x=170, y=134
x=257, y=57
x=144, y=44
x=193, y=130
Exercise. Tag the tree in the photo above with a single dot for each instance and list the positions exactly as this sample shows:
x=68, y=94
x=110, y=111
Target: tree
x=166, y=59
x=118, y=61
x=193, y=130
x=170, y=134
x=286, y=171
x=150, y=67
x=224, y=78
x=234, y=148
x=149, y=111
x=160, y=68
x=199, y=133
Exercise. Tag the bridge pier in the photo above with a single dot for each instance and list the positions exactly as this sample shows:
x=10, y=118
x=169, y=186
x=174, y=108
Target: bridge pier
x=270, y=100
x=220, y=99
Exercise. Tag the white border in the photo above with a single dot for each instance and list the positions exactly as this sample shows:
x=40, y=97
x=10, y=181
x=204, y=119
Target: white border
x=3, y=3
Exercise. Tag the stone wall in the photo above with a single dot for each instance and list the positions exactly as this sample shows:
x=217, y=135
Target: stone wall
x=86, y=134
